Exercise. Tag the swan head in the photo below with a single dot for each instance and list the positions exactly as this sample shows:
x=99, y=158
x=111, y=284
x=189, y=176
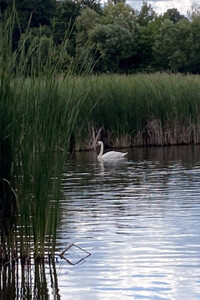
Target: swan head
x=100, y=143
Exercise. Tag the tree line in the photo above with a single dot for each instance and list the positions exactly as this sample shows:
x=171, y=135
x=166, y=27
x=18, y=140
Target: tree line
x=113, y=37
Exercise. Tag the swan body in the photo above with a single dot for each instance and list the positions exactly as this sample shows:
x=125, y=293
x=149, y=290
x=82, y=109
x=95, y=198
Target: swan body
x=111, y=155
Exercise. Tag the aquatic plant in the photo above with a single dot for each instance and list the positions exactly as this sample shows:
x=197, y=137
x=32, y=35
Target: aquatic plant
x=142, y=109
x=38, y=111
x=38, y=281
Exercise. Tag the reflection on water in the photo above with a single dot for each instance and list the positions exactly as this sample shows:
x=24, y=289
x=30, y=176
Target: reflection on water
x=29, y=281
x=139, y=219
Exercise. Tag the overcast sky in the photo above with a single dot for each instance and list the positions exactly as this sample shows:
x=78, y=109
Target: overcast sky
x=161, y=6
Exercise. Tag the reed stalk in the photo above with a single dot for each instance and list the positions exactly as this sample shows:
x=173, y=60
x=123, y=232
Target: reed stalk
x=29, y=282
x=38, y=111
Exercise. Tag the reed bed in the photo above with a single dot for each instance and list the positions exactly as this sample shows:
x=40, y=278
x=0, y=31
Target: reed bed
x=38, y=111
x=140, y=110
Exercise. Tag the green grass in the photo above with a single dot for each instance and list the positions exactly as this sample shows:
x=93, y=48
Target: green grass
x=143, y=109
x=38, y=111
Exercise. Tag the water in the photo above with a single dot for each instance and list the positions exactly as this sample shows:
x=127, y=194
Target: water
x=139, y=219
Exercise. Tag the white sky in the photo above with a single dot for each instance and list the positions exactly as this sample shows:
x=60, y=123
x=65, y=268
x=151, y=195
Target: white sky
x=161, y=6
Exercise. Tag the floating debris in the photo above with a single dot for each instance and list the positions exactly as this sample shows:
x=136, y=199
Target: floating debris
x=73, y=254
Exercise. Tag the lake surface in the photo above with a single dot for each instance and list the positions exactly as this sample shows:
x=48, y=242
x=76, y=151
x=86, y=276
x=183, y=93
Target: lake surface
x=139, y=220
x=132, y=230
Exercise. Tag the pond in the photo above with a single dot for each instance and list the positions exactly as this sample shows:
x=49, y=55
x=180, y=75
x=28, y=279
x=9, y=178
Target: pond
x=132, y=228
x=140, y=221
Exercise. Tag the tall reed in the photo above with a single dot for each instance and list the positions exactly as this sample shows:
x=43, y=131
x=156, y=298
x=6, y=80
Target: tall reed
x=143, y=109
x=8, y=138
x=38, y=111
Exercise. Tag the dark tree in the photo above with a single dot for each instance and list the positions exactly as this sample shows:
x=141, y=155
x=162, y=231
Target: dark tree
x=92, y=4
x=64, y=25
x=146, y=15
x=3, y=5
x=173, y=15
x=66, y=14
x=32, y=12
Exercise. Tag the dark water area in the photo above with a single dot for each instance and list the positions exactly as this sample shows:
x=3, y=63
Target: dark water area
x=140, y=221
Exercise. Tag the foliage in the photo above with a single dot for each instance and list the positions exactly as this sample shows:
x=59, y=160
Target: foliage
x=173, y=15
x=114, y=44
x=194, y=59
x=63, y=25
x=92, y=4
x=33, y=12
x=170, y=54
x=146, y=14
x=145, y=38
x=85, y=23
x=120, y=13
x=109, y=38
x=153, y=42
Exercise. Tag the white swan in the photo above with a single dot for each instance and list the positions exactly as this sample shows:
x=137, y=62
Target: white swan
x=111, y=155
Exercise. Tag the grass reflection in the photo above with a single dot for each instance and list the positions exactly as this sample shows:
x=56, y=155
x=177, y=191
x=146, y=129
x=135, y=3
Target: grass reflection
x=29, y=281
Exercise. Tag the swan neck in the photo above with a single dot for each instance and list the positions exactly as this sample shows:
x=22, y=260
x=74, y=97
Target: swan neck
x=101, y=151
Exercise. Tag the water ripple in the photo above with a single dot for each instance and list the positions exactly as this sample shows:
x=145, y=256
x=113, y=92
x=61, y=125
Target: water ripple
x=140, y=221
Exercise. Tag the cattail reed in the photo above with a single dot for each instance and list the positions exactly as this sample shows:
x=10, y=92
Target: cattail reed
x=38, y=111
x=140, y=110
